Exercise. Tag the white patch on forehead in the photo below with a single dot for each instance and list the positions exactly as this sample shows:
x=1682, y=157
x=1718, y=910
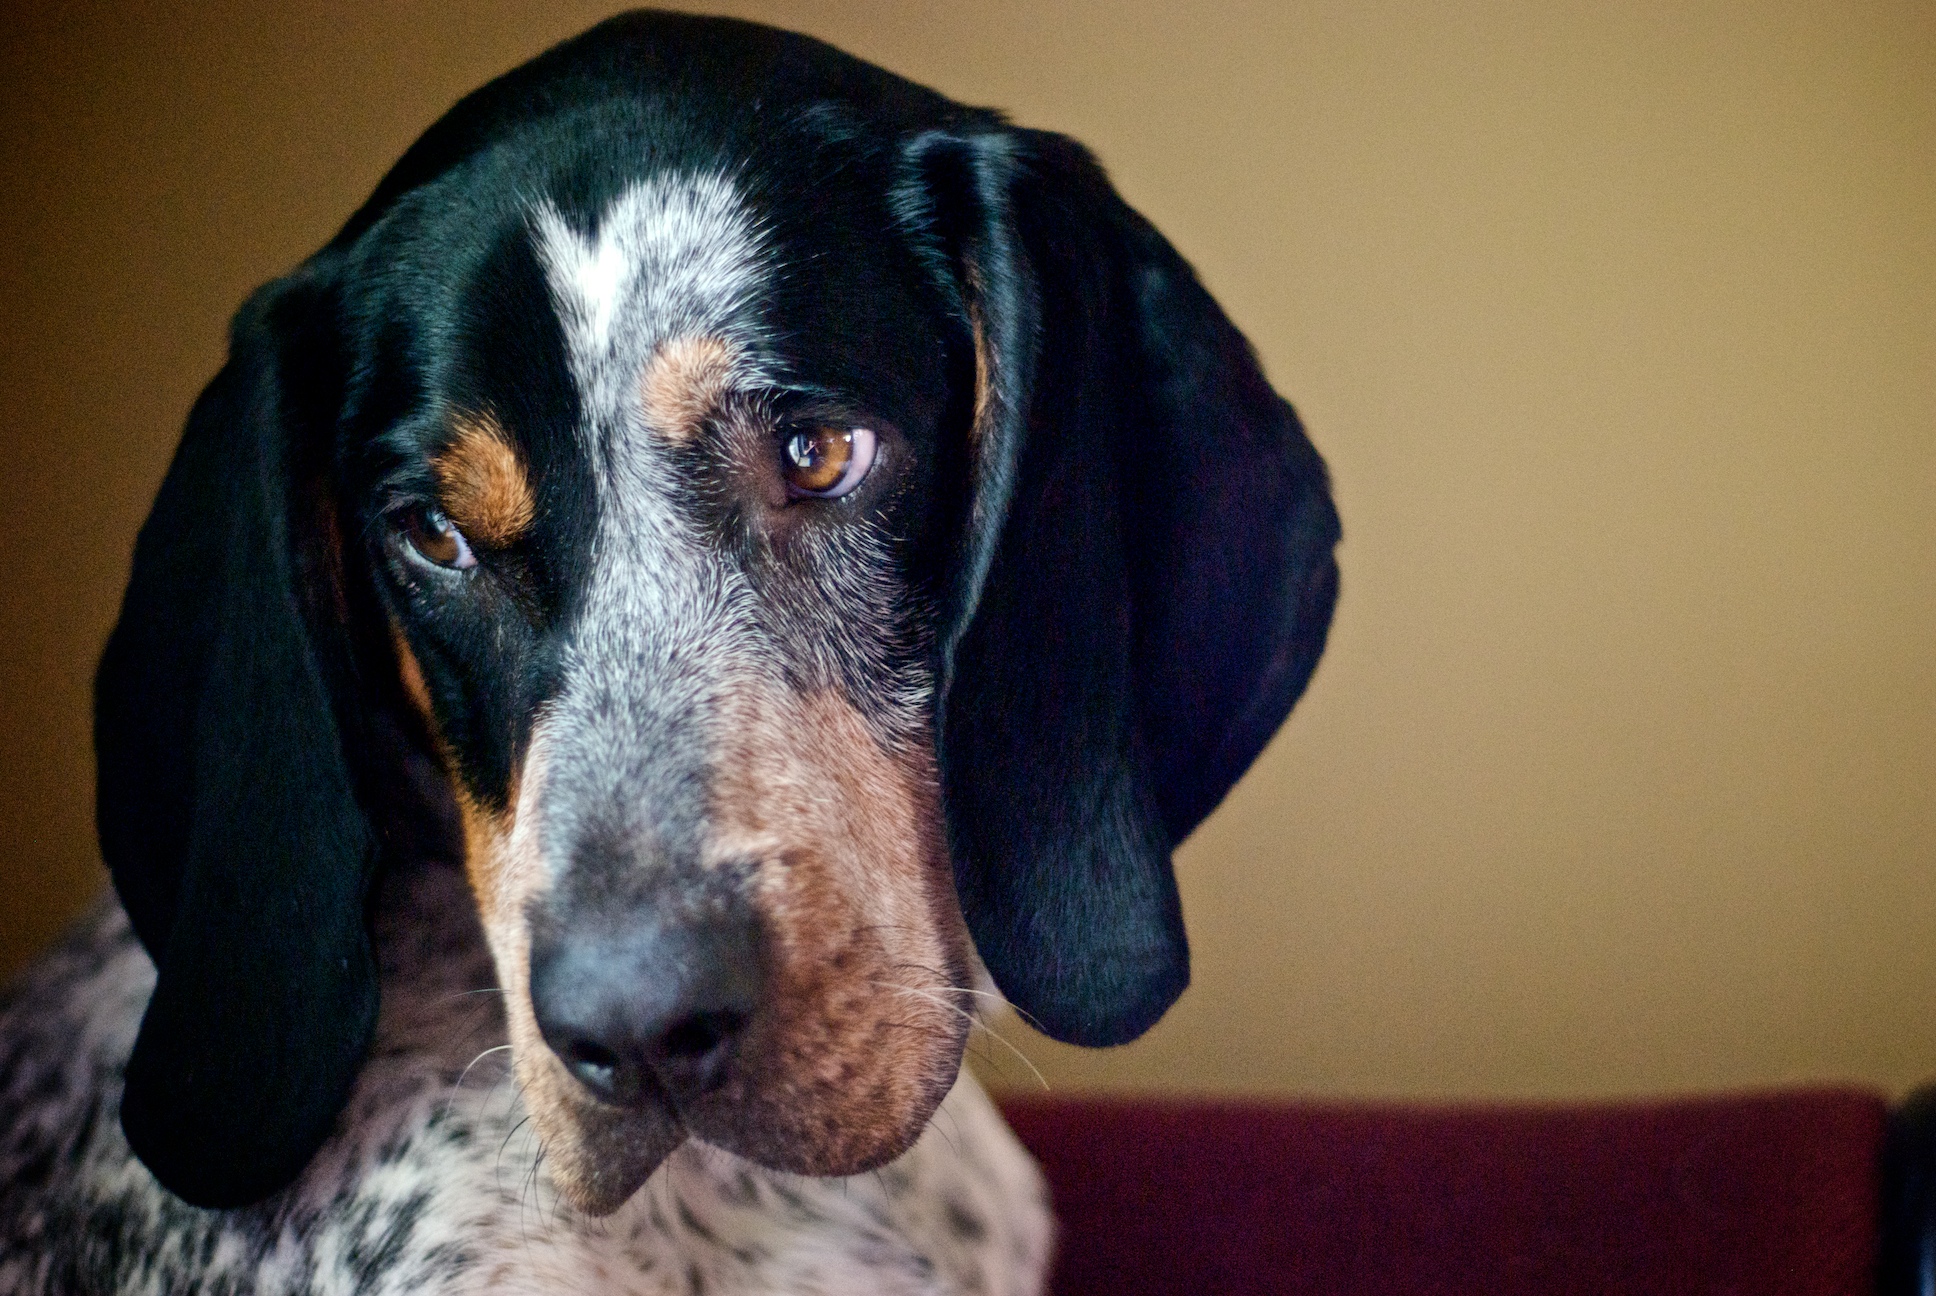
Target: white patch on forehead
x=674, y=255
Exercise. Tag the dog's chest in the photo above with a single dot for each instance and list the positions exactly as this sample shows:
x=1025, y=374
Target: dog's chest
x=434, y=1184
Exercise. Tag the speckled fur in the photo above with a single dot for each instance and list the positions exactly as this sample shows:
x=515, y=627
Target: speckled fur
x=431, y=1182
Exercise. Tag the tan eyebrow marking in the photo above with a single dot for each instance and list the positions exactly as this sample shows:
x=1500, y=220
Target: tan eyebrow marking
x=483, y=485
x=683, y=383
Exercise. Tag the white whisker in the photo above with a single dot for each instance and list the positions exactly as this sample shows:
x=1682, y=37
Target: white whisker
x=973, y=1021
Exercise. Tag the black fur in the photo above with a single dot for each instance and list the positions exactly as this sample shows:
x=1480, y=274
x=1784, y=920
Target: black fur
x=225, y=803
x=1160, y=584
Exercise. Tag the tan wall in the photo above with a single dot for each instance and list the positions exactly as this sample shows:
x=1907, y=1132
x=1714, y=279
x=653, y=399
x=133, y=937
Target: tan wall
x=1617, y=324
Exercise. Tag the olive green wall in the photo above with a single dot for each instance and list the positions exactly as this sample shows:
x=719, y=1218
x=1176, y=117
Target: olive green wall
x=1617, y=324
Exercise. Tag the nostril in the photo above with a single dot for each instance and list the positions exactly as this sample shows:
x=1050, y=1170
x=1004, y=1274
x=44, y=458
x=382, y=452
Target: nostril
x=601, y=1070
x=700, y=1034
x=693, y=1054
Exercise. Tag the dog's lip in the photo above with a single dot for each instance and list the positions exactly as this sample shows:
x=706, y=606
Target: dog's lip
x=790, y=1146
x=617, y=1150
x=725, y=1117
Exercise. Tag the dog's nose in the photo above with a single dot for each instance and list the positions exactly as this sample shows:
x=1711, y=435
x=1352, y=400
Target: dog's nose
x=657, y=1005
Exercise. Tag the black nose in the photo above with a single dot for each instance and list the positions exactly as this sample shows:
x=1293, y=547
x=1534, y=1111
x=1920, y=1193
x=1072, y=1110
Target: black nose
x=654, y=1001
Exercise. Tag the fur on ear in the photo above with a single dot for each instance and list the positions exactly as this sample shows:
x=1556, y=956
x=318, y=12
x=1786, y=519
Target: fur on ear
x=1144, y=589
x=224, y=802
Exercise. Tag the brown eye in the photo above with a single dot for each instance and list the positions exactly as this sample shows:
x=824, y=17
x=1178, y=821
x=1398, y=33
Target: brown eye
x=435, y=540
x=826, y=462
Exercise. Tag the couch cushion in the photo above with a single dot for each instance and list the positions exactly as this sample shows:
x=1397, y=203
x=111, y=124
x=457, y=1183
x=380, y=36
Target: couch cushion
x=1766, y=1194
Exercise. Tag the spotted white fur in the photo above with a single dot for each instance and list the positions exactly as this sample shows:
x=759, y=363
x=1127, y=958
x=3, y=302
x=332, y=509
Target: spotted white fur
x=431, y=1184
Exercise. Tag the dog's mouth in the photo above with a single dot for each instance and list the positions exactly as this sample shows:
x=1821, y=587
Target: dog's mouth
x=844, y=1089
x=796, y=996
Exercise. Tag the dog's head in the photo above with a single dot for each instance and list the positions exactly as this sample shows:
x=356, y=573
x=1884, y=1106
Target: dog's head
x=803, y=524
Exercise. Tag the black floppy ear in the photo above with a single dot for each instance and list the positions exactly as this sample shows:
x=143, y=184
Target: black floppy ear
x=1145, y=585
x=224, y=801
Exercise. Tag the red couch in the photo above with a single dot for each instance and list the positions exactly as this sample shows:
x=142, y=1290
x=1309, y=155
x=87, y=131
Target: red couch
x=1821, y=1192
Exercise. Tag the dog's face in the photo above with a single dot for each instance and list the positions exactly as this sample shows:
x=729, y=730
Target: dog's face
x=650, y=535
x=805, y=524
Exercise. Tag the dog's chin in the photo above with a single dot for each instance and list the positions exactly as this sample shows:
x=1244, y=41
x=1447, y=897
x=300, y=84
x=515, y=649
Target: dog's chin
x=597, y=1155
x=609, y=1154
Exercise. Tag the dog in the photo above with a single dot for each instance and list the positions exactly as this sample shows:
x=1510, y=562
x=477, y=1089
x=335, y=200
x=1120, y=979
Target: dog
x=726, y=553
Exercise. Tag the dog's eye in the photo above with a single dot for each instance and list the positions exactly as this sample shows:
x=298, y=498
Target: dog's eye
x=431, y=534
x=827, y=462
